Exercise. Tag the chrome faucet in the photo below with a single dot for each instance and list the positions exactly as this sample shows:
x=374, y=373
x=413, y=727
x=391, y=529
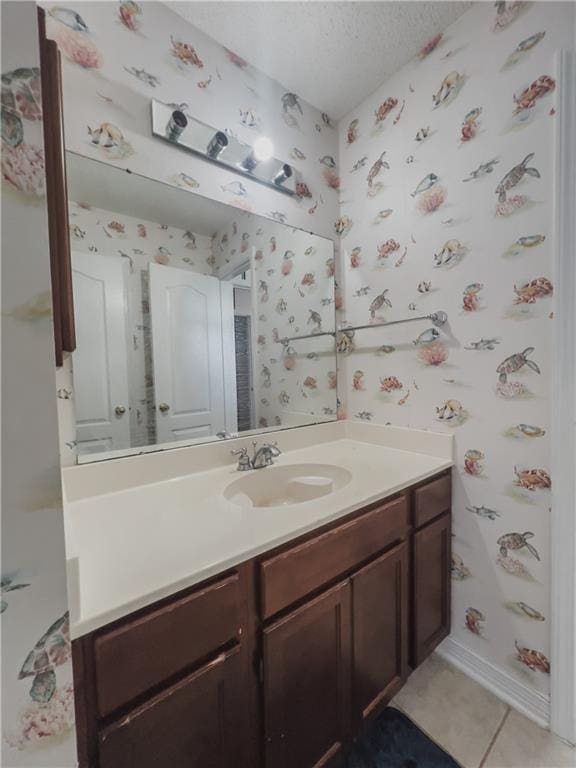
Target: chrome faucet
x=263, y=457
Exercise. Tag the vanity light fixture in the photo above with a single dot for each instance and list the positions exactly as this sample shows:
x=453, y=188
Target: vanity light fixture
x=263, y=148
x=283, y=174
x=261, y=152
x=176, y=125
x=217, y=145
x=249, y=162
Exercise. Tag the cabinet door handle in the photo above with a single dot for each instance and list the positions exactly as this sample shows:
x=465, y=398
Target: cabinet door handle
x=120, y=410
x=164, y=407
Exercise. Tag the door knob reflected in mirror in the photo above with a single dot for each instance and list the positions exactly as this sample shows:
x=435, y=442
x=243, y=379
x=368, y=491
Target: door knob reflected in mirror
x=163, y=407
x=119, y=410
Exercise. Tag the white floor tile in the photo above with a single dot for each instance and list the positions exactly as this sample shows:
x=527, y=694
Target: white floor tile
x=452, y=709
x=523, y=744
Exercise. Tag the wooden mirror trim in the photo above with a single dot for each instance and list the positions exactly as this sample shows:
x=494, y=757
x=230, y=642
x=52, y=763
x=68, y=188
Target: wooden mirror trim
x=56, y=194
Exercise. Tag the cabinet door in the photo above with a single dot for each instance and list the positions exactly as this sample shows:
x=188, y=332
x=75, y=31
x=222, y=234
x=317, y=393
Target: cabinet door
x=194, y=724
x=431, y=588
x=307, y=682
x=380, y=630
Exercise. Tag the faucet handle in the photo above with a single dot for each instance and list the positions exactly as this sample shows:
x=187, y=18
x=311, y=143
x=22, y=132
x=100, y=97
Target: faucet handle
x=273, y=447
x=244, y=462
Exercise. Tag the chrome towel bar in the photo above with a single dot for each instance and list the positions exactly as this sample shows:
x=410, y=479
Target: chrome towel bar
x=438, y=319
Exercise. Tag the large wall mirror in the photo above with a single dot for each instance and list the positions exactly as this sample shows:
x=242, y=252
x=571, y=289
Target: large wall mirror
x=188, y=317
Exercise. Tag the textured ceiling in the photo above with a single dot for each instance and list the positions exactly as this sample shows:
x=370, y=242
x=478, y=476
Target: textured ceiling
x=332, y=54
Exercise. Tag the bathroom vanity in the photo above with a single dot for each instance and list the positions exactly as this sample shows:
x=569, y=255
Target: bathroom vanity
x=278, y=660
x=252, y=619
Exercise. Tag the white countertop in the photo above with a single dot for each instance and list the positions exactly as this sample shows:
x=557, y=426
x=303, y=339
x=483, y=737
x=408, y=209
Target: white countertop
x=133, y=546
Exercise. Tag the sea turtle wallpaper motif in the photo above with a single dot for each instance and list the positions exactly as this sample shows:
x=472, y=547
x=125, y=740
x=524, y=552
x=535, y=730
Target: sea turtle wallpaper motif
x=508, y=203
x=514, y=363
x=51, y=650
x=22, y=158
x=517, y=541
x=515, y=176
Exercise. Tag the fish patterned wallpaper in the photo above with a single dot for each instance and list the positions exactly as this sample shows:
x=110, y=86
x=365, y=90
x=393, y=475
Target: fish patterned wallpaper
x=108, y=234
x=118, y=56
x=295, y=382
x=447, y=204
x=37, y=695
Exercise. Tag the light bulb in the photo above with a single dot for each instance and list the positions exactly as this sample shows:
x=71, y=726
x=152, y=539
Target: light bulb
x=263, y=148
x=217, y=145
x=283, y=174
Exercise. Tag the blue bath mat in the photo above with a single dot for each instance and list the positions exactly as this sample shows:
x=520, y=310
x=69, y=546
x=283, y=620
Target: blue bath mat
x=393, y=741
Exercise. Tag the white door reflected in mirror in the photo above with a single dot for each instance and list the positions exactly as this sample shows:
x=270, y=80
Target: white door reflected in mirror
x=187, y=353
x=99, y=362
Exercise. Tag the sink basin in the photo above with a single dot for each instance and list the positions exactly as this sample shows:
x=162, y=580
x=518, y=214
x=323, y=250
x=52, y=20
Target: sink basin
x=281, y=486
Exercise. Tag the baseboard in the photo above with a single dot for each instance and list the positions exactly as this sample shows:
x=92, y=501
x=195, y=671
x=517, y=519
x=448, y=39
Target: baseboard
x=520, y=697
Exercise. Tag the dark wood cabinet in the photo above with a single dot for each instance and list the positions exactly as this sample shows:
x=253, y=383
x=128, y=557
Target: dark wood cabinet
x=306, y=674
x=432, y=500
x=278, y=662
x=300, y=569
x=141, y=653
x=195, y=723
x=431, y=588
x=380, y=631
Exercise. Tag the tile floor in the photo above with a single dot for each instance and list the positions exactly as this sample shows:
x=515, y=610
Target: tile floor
x=474, y=726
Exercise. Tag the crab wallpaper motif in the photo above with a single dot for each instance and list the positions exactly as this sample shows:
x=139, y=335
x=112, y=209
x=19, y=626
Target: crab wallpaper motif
x=466, y=172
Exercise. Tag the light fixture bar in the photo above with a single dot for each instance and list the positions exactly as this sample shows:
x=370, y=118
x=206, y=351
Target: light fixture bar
x=169, y=123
